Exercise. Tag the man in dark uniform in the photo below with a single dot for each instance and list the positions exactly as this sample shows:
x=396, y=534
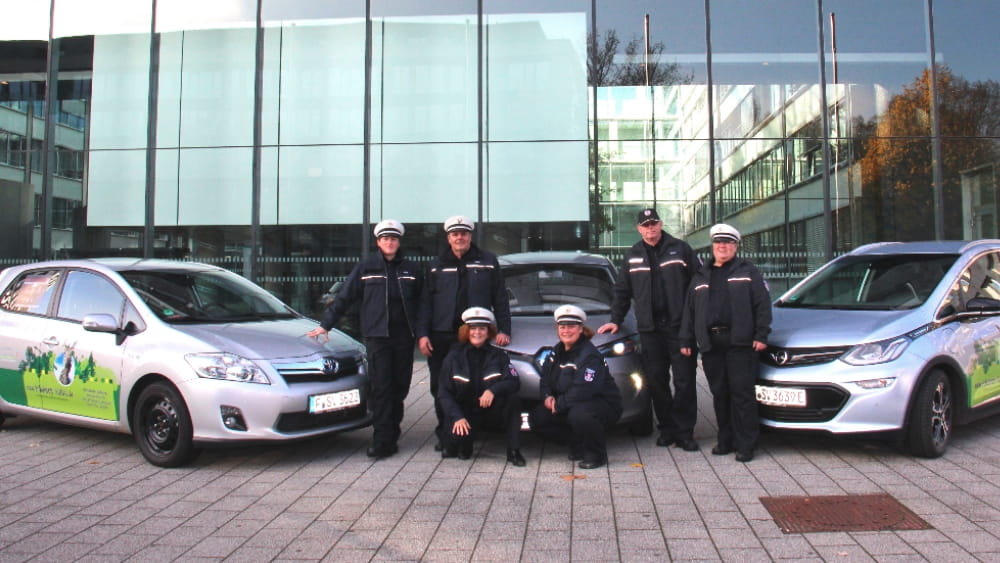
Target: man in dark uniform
x=728, y=315
x=656, y=275
x=388, y=287
x=462, y=276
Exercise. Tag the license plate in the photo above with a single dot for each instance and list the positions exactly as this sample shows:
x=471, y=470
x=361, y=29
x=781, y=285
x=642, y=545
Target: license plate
x=334, y=401
x=780, y=396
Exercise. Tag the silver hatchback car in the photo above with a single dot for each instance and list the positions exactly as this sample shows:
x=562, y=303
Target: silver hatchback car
x=178, y=354
x=898, y=338
x=538, y=283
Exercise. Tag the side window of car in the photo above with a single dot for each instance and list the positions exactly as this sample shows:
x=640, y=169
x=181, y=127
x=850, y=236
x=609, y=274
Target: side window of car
x=980, y=279
x=31, y=293
x=86, y=293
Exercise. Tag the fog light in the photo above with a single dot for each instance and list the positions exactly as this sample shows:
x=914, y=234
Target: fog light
x=525, y=425
x=636, y=381
x=232, y=418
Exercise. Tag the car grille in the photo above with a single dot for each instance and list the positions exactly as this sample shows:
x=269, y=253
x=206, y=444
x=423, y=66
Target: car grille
x=791, y=357
x=322, y=369
x=823, y=402
x=298, y=421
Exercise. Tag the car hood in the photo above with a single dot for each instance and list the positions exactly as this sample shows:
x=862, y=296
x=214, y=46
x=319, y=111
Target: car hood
x=817, y=328
x=269, y=339
x=534, y=332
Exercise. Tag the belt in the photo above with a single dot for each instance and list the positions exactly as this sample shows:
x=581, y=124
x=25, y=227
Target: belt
x=718, y=329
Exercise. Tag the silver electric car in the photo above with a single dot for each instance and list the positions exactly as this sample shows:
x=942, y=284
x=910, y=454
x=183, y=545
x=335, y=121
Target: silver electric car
x=894, y=338
x=538, y=283
x=178, y=354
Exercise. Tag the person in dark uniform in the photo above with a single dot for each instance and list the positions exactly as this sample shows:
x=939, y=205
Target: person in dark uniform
x=581, y=399
x=462, y=276
x=478, y=389
x=728, y=316
x=656, y=275
x=388, y=287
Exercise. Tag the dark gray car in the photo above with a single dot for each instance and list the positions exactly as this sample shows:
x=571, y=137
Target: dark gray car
x=538, y=283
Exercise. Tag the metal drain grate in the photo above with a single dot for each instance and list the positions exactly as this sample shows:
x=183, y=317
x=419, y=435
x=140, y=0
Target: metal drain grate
x=842, y=513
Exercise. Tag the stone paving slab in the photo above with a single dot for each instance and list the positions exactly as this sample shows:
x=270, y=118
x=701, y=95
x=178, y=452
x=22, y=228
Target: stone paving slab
x=70, y=494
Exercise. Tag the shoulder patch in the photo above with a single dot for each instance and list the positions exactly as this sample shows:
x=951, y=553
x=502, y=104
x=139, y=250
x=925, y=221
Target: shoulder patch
x=588, y=375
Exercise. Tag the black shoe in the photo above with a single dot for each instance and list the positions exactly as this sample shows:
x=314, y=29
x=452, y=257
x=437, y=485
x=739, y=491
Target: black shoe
x=380, y=452
x=664, y=440
x=448, y=452
x=744, y=457
x=438, y=447
x=687, y=444
x=719, y=449
x=592, y=463
x=515, y=458
x=464, y=453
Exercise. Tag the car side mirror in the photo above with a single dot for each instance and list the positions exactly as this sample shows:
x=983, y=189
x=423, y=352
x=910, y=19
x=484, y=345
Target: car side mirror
x=100, y=322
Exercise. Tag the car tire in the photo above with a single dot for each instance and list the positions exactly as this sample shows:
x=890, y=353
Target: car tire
x=931, y=416
x=643, y=425
x=162, y=426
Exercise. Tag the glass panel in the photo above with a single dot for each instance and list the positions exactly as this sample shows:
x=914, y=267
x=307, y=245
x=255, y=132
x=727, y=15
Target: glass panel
x=214, y=186
x=971, y=168
x=177, y=15
x=99, y=17
x=118, y=196
x=537, y=182
x=424, y=183
x=120, y=95
x=965, y=39
x=320, y=184
x=30, y=21
x=424, y=78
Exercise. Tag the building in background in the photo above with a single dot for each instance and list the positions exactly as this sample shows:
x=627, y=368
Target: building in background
x=268, y=135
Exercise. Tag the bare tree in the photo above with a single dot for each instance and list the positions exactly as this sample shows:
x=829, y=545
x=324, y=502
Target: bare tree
x=603, y=71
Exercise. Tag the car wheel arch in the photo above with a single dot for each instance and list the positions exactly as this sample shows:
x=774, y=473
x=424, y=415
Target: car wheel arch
x=958, y=390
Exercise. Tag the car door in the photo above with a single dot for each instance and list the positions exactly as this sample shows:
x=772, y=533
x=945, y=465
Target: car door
x=978, y=338
x=85, y=377
x=24, y=309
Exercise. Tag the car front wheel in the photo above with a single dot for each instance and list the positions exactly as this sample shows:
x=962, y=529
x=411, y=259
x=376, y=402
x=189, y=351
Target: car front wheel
x=931, y=418
x=162, y=426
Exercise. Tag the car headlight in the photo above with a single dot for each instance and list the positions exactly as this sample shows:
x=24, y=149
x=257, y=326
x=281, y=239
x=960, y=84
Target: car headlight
x=880, y=383
x=621, y=347
x=876, y=352
x=229, y=367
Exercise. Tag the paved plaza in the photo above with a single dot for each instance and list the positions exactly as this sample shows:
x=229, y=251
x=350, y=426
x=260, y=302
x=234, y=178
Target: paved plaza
x=69, y=494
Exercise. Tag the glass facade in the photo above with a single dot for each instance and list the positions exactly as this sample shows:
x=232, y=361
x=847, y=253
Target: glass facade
x=267, y=136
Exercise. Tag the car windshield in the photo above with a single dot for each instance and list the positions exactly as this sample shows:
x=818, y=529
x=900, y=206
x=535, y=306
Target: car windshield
x=537, y=289
x=872, y=282
x=179, y=296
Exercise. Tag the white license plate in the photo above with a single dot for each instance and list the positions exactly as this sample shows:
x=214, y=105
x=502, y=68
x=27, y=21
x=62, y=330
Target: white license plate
x=780, y=396
x=334, y=401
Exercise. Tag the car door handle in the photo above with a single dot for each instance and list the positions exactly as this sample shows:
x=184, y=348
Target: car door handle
x=51, y=341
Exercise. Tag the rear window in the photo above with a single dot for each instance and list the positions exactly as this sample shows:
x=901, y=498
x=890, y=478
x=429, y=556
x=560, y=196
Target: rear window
x=541, y=288
x=31, y=293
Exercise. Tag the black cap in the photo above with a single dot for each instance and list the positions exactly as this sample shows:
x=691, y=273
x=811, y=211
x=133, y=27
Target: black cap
x=647, y=215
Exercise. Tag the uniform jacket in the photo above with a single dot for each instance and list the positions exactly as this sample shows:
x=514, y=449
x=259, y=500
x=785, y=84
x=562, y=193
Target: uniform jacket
x=440, y=295
x=369, y=283
x=677, y=263
x=577, y=376
x=463, y=383
x=750, y=301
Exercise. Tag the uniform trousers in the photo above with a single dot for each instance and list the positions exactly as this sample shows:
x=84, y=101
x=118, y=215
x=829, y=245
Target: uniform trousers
x=676, y=413
x=503, y=414
x=583, y=426
x=442, y=343
x=732, y=373
x=390, y=370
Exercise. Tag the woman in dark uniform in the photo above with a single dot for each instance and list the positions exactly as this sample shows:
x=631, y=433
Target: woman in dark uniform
x=581, y=399
x=479, y=388
x=388, y=287
x=728, y=316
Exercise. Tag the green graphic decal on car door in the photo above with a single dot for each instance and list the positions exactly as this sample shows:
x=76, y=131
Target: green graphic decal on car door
x=62, y=383
x=985, y=377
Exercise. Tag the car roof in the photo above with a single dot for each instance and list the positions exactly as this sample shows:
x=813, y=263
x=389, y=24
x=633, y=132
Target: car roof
x=927, y=247
x=554, y=257
x=120, y=264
